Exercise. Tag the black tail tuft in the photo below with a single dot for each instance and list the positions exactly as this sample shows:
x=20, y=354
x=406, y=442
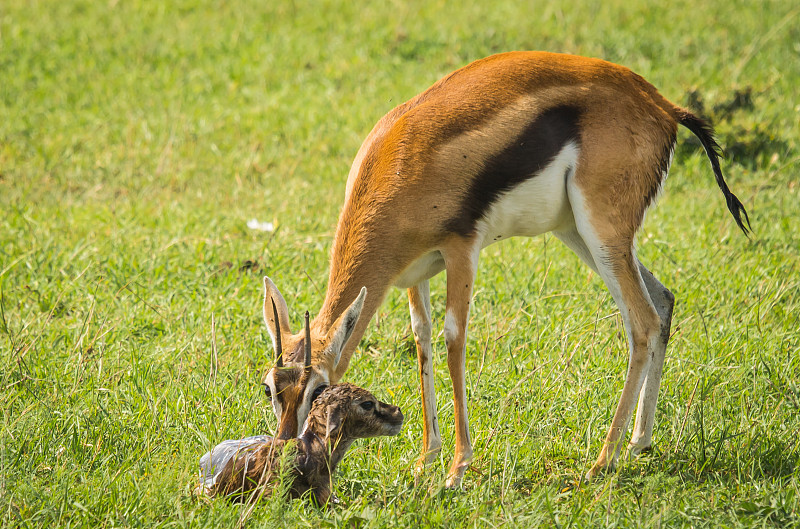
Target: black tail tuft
x=705, y=133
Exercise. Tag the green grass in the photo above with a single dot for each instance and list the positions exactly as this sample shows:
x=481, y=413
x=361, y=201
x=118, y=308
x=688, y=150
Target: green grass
x=138, y=138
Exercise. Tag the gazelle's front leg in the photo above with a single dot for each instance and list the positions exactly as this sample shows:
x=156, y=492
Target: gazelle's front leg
x=419, y=302
x=461, y=264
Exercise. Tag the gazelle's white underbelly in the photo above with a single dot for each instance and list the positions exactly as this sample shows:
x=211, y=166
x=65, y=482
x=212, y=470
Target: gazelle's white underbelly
x=538, y=205
x=423, y=268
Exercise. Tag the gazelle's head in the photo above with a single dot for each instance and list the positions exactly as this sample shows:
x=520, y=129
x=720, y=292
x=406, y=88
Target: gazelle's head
x=305, y=363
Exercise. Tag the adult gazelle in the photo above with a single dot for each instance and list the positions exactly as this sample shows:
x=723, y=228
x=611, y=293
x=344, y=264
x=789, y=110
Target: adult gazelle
x=519, y=143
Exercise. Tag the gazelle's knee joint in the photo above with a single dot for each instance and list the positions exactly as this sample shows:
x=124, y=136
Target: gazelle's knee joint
x=421, y=326
x=451, y=328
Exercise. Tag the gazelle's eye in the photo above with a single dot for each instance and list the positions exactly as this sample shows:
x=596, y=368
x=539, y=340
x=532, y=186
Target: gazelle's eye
x=368, y=405
x=317, y=392
x=267, y=391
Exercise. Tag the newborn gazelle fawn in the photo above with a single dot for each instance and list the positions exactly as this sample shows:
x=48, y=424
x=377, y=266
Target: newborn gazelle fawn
x=339, y=415
x=516, y=144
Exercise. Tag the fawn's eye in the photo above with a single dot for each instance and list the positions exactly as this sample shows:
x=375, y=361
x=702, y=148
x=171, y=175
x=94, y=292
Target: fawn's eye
x=317, y=392
x=267, y=391
x=368, y=405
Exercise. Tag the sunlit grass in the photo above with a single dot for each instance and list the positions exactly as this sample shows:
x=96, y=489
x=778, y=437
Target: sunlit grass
x=138, y=138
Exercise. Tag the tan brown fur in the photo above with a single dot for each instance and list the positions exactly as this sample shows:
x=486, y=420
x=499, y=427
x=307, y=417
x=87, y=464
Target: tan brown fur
x=409, y=136
x=408, y=199
x=292, y=381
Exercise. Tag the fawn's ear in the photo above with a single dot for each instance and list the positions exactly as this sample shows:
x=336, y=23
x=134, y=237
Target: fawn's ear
x=344, y=326
x=280, y=328
x=333, y=428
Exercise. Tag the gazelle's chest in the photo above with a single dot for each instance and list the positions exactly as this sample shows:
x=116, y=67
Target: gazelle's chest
x=423, y=268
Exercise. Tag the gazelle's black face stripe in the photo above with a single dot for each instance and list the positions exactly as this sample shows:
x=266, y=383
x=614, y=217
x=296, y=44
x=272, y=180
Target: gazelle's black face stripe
x=523, y=158
x=287, y=385
x=293, y=389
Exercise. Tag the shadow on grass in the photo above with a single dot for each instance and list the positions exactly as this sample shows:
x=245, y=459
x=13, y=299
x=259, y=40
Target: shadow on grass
x=749, y=146
x=776, y=462
x=758, y=493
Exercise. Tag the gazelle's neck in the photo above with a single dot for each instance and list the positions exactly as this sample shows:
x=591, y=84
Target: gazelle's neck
x=360, y=258
x=348, y=275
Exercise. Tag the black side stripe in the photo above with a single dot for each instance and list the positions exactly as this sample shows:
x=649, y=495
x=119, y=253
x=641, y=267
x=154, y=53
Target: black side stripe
x=524, y=158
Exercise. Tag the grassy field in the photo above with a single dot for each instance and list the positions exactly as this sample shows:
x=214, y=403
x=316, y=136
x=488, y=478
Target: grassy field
x=138, y=138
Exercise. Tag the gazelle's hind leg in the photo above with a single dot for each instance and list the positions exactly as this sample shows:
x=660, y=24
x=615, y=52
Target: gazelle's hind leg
x=419, y=302
x=664, y=302
x=612, y=255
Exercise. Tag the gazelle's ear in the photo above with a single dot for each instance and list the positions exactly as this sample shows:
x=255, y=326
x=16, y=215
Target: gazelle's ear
x=333, y=426
x=281, y=327
x=344, y=326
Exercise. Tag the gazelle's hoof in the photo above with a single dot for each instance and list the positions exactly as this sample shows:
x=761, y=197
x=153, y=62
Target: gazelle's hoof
x=635, y=451
x=598, y=470
x=456, y=475
x=425, y=460
x=453, y=482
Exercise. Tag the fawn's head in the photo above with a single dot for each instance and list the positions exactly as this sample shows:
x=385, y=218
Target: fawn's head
x=304, y=362
x=344, y=412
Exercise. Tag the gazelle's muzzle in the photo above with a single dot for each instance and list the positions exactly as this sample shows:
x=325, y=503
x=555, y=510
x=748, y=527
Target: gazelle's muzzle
x=291, y=399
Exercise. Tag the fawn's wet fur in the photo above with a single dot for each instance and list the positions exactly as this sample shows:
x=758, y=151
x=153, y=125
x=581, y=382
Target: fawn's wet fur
x=340, y=414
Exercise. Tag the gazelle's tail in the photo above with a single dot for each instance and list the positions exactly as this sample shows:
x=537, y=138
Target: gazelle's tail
x=705, y=133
